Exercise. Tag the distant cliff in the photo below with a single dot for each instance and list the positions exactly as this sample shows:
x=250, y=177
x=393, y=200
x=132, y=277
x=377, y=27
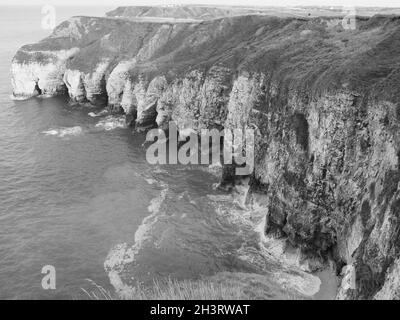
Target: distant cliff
x=325, y=101
x=204, y=12
x=178, y=12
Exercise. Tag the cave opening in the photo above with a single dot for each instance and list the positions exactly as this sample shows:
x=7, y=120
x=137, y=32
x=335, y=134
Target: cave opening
x=301, y=129
x=398, y=160
x=365, y=212
x=398, y=111
x=37, y=90
x=100, y=98
x=130, y=118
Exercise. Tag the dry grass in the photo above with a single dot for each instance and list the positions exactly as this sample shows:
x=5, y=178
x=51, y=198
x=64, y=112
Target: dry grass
x=172, y=290
x=230, y=287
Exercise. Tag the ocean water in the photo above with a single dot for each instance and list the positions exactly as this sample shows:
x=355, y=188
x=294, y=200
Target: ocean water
x=77, y=193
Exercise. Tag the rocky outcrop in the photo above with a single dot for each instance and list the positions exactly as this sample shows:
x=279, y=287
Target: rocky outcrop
x=89, y=86
x=324, y=103
x=43, y=68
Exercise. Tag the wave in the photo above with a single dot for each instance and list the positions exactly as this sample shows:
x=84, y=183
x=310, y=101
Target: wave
x=44, y=96
x=143, y=231
x=64, y=132
x=111, y=123
x=150, y=181
x=215, y=168
x=99, y=114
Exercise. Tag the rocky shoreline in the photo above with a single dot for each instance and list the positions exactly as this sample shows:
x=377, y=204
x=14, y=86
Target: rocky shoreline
x=324, y=101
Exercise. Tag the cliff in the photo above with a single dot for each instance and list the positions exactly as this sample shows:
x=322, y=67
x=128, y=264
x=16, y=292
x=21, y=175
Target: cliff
x=194, y=12
x=324, y=100
x=204, y=12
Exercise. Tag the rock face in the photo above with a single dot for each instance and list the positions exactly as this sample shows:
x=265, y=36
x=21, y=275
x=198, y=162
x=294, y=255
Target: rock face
x=325, y=103
x=46, y=69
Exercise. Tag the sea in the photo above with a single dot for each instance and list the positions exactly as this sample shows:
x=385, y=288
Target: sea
x=76, y=193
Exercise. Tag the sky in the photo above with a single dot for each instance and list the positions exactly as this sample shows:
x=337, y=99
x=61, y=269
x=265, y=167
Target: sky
x=116, y=3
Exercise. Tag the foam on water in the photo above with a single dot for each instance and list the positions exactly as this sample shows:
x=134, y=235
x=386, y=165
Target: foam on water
x=143, y=232
x=150, y=181
x=215, y=168
x=111, y=123
x=64, y=132
x=117, y=258
x=99, y=114
x=23, y=98
x=44, y=96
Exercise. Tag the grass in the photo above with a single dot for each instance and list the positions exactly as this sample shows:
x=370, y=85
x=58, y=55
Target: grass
x=230, y=287
x=172, y=290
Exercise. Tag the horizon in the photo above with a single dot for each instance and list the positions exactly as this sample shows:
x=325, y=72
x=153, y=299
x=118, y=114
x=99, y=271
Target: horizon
x=211, y=3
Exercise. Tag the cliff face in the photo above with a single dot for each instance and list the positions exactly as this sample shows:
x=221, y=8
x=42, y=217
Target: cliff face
x=324, y=101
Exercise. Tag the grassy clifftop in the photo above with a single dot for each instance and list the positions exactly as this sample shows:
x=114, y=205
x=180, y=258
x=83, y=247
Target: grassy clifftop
x=314, y=55
x=176, y=12
x=204, y=12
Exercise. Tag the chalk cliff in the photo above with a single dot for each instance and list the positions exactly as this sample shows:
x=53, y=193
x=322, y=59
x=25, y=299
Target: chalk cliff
x=325, y=102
